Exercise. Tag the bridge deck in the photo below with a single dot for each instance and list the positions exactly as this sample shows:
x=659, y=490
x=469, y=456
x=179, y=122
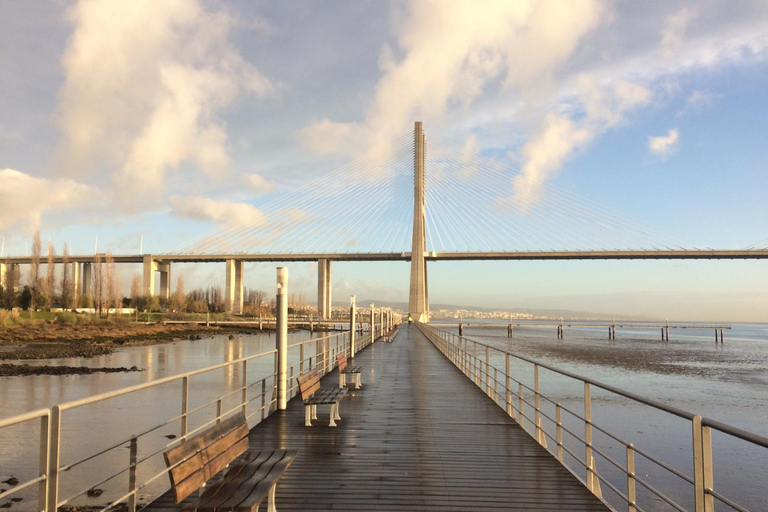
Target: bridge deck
x=418, y=436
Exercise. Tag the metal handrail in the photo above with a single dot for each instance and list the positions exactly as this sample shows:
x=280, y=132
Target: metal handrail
x=479, y=371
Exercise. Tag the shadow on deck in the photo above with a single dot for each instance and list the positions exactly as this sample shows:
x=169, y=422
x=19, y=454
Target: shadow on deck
x=418, y=436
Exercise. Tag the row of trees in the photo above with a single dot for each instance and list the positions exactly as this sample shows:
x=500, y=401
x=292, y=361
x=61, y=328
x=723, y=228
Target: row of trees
x=44, y=291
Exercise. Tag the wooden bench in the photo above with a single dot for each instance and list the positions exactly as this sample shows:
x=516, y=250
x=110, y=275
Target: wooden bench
x=313, y=395
x=245, y=484
x=345, y=369
x=391, y=335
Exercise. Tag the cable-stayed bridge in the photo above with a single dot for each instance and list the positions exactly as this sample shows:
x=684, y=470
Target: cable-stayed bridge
x=426, y=197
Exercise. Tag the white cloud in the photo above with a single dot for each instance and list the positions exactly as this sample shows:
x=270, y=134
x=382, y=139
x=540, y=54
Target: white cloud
x=25, y=199
x=258, y=184
x=664, y=144
x=450, y=52
x=144, y=82
x=235, y=215
x=561, y=137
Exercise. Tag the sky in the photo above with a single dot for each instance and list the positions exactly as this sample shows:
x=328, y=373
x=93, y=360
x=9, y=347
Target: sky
x=128, y=126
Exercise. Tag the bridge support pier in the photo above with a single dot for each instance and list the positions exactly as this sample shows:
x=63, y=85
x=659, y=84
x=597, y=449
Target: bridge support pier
x=418, y=300
x=234, y=288
x=3, y=269
x=86, y=277
x=324, y=304
x=75, y=279
x=165, y=279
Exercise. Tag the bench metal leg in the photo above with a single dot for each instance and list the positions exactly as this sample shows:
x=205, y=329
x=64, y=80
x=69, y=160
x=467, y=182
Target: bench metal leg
x=307, y=415
x=314, y=412
x=333, y=415
x=271, y=499
x=337, y=411
x=358, y=385
x=342, y=380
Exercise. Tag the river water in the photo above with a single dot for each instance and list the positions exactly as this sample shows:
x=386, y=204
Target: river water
x=726, y=382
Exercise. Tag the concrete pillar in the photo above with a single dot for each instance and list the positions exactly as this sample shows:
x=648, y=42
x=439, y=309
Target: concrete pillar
x=2, y=274
x=150, y=267
x=76, y=284
x=164, y=267
x=418, y=303
x=281, y=335
x=234, y=287
x=324, y=304
x=87, y=279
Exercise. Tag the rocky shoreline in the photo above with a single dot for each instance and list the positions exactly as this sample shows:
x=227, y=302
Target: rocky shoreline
x=20, y=370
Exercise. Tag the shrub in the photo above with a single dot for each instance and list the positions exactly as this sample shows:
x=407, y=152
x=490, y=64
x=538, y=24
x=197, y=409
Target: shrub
x=66, y=318
x=9, y=318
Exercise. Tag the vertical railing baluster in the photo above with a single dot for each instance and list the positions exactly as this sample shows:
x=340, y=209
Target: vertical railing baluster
x=134, y=451
x=706, y=458
x=184, y=405
x=698, y=464
x=537, y=404
x=520, y=407
x=53, y=460
x=475, y=375
x=263, y=398
x=488, y=370
x=588, y=435
x=508, y=386
x=631, y=492
x=244, y=396
x=219, y=410
x=42, y=487
x=559, y=434
x=301, y=358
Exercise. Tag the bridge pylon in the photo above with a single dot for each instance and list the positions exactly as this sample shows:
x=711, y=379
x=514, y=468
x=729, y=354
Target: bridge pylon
x=418, y=301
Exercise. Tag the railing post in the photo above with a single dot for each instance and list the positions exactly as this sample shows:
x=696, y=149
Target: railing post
x=475, y=374
x=301, y=358
x=537, y=405
x=53, y=460
x=373, y=324
x=706, y=449
x=488, y=370
x=184, y=405
x=352, y=327
x=521, y=405
x=42, y=487
x=219, y=410
x=244, y=393
x=698, y=470
x=263, y=398
x=559, y=433
x=507, y=386
x=134, y=451
x=281, y=332
x=588, y=435
x=631, y=493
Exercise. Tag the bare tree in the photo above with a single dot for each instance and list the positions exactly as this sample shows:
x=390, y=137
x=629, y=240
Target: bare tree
x=136, y=291
x=67, y=290
x=34, y=272
x=50, y=281
x=179, y=300
x=11, y=282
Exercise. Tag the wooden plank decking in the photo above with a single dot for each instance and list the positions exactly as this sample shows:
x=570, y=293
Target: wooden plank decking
x=418, y=436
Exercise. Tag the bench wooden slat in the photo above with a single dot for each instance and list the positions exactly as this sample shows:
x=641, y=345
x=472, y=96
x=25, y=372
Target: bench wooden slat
x=239, y=487
x=217, y=456
x=260, y=490
x=217, y=493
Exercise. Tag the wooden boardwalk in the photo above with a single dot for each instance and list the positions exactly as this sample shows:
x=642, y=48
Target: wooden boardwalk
x=418, y=436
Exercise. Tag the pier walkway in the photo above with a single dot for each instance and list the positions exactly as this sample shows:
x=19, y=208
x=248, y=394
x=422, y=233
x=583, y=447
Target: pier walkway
x=418, y=436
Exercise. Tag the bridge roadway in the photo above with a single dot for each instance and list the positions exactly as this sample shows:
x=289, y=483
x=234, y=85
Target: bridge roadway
x=746, y=254
x=419, y=436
